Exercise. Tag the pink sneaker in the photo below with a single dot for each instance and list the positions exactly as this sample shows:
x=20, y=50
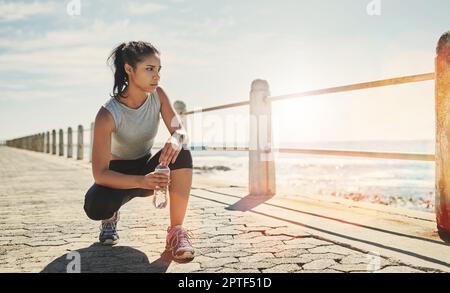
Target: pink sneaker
x=179, y=242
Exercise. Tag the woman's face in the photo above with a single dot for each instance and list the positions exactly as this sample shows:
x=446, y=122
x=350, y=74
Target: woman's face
x=146, y=74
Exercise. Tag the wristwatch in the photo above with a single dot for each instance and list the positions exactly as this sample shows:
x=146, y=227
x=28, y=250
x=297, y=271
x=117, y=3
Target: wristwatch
x=180, y=135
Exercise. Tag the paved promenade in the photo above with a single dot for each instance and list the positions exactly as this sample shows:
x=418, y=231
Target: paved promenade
x=42, y=224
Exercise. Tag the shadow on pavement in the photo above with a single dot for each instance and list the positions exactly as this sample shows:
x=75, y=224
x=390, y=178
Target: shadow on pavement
x=106, y=259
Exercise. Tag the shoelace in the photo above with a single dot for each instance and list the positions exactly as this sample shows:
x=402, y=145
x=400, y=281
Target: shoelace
x=180, y=237
x=110, y=226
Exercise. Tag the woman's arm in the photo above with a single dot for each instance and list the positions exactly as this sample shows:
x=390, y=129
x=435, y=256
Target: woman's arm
x=178, y=134
x=171, y=120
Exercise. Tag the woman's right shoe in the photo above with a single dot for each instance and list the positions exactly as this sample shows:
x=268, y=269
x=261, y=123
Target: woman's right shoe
x=108, y=230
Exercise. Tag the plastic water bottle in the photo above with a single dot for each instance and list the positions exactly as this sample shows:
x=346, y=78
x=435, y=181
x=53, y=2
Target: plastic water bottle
x=160, y=197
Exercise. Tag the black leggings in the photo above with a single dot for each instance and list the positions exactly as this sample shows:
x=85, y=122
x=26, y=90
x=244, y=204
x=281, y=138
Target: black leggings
x=102, y=202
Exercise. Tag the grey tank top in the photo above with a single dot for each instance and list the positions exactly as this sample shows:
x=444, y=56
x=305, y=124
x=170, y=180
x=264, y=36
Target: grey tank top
x=135, y=128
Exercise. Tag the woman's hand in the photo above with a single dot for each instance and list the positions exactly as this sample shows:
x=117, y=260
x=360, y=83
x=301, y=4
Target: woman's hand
x=155, y=181
x=170, y=151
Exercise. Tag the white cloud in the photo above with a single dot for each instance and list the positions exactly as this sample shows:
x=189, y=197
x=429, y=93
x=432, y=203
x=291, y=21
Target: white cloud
x=10, y=11
x=99, y=33
x=147, y=8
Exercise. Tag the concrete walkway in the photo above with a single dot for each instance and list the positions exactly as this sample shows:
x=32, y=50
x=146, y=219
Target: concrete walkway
x=42, y=223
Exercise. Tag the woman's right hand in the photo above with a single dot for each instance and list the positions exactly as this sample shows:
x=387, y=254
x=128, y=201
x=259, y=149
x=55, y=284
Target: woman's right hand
x=155, y=181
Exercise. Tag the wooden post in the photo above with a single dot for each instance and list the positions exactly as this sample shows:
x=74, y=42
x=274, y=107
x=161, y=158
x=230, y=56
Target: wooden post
x=61, y=142
x=180, y=107
x=36, y=142
x=39, y=141
x=91, y=145
x=443, y=133
x=80, y=143
x=53, y=142
x=261, y=160
x=33, y=142
x=47, y=150
x=43, y=142
x=69, y=143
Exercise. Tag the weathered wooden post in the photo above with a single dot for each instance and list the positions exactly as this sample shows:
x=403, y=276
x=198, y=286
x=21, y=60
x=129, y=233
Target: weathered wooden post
x=180, y=107
x=33, y=142
x=443, y=133
x=261, y=159
x=53, y=142
x=61, y=142
x=36, y=143
x=47, y=150
x=39, y=142
x=43, y=142
x=69, y=143
x=80, y=143
x=91, y=144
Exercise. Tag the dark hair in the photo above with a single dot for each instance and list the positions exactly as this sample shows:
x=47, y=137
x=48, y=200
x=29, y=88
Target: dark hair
x=127, y=53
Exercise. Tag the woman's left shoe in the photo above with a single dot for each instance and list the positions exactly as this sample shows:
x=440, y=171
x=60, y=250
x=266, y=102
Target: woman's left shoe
x=178, y=241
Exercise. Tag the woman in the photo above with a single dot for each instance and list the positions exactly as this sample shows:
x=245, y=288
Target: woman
x=122, y=165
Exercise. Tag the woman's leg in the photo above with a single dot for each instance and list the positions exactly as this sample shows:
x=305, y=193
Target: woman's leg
x=179, y=190
x=101, y=202
x=178, y=239
x=180, y=186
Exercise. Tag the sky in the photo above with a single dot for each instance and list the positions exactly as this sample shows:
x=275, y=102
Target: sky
x=53, y=70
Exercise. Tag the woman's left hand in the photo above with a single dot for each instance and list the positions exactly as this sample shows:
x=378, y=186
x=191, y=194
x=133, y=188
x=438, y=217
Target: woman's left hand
x=170, y=152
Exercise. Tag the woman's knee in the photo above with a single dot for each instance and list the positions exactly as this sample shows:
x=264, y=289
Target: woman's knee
x=184, y=160
x=99, y=204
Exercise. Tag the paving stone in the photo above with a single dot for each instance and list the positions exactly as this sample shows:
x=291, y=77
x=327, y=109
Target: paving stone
x=228, y=254
x=352, y=267
x=283, y=268
x=258, y=239
x=230, y=270
x=290, y=231
x=183, y=268
x=288, y=253
x=333, y=249
x=249, y=265
x=319, y=264
x=235, y=247
x=307, y=258
x=219, y=262
x=257, y=257
x=325, y=271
